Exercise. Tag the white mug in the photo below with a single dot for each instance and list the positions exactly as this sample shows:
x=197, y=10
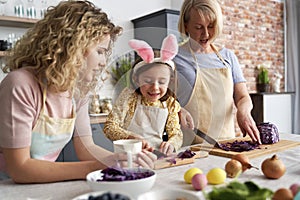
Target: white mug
x=129, y=146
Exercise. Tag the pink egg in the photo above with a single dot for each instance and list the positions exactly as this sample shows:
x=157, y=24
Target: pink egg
x=295, y=188
x=199, y=181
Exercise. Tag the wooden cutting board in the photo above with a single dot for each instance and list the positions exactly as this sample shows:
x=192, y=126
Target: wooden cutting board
x=165, y=162
x=263, y=150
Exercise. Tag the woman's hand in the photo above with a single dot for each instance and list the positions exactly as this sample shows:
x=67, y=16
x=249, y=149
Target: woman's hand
x=166, y=148
x=186, y=119
x=145, y=144
x=244, y=106
x=248, y=126
x=144, y=159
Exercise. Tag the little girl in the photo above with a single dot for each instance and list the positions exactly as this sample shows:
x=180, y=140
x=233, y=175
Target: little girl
x=149, y=107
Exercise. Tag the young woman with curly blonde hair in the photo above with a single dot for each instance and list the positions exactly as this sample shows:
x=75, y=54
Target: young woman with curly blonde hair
x=44, y=96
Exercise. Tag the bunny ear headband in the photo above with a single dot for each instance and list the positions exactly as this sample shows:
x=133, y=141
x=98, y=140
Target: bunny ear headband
x=168, y=51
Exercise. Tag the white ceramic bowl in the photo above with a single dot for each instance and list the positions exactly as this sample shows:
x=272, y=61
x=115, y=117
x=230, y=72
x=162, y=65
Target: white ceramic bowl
x=131, y=187
x=95, y=194
x=168, y=194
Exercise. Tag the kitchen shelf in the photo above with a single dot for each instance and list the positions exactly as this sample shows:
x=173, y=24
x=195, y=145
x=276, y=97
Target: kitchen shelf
x=11, y=21
x=98, y=119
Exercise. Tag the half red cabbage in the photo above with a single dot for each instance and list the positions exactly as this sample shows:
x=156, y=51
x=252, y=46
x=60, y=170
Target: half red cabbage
x=121, y=174
x=268, y=133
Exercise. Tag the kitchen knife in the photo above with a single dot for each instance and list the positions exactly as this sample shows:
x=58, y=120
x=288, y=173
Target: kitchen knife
x=207, y=138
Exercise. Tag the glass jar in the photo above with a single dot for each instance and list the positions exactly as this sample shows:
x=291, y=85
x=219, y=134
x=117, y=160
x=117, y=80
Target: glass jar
x=31, y=10
x=106, y=105
x=19, y=8
x=95, y=105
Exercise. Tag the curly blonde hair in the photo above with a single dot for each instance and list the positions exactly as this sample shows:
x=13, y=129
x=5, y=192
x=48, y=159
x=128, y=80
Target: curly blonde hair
x=53, y=49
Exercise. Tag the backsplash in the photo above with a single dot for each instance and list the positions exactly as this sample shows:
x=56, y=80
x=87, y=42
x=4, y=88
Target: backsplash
x=254, y=30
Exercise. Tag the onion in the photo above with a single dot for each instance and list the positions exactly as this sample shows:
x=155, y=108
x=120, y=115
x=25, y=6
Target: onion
x=244, y=160
x=233, y=168
x=273, y=167
x=283, y=194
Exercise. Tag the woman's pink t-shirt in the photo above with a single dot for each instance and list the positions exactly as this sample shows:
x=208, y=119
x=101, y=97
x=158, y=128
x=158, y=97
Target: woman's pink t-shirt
x=21, y=99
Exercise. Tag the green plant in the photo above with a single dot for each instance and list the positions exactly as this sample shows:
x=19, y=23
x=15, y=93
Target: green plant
x=263, y=75
x=120, y=69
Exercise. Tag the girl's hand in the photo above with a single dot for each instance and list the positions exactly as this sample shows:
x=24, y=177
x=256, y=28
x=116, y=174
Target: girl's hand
x=166, y=148
x=146, y=146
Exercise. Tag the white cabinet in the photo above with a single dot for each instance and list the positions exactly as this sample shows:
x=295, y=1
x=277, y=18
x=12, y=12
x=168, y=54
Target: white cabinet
x=275, y=108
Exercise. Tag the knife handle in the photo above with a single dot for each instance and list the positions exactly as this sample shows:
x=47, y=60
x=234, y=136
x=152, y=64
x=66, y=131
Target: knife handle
x=165, y=136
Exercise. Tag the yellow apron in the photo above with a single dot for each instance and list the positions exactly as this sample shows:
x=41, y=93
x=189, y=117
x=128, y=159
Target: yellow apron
x=149, y=122
x=211, y=103
x=50, y=135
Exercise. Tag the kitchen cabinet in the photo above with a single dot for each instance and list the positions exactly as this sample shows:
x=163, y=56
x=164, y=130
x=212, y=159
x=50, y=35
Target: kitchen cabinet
x=275, y=108
x=154, y=27
x=97, y=123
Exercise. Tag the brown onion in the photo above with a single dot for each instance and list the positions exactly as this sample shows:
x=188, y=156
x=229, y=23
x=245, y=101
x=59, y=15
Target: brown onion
x=244, y=160
x=283, y=194
x=233, y=168
x=273, y=167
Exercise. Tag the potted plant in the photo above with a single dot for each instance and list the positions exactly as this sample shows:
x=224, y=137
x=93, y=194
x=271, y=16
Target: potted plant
x=263, y=84
x=120, y=70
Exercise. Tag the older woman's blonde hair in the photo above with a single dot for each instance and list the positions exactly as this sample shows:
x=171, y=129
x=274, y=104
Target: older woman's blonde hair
x=53, y=49
x=207, y=9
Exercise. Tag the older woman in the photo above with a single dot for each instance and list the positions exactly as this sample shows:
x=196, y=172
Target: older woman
x=211, y=80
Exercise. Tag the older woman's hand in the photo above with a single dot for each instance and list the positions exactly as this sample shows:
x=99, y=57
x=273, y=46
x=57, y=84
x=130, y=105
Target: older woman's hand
x=248, y=126
x=186, y=119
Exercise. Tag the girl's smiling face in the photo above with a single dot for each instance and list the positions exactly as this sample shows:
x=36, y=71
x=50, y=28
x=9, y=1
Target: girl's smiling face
x=96, y=57
x=154, y=82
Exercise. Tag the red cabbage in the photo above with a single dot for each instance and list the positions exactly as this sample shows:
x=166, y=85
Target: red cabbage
x=186, y=154
x=108, y=196
x=239, y=146
x=121, y=174
x=268, y=133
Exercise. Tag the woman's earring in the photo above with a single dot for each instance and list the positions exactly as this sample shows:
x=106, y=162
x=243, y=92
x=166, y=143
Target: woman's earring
x=187, y=34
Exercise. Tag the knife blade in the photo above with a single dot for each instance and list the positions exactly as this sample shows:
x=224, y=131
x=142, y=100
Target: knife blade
x=159, y=154
x=207, y=138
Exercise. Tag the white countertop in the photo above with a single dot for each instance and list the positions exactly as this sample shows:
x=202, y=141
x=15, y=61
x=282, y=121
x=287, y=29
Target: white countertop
x=166, y=178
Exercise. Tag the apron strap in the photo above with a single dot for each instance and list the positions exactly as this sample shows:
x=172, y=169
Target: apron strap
x=214, y=48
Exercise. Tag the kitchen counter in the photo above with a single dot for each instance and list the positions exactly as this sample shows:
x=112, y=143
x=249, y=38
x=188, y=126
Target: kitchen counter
x=166, y=178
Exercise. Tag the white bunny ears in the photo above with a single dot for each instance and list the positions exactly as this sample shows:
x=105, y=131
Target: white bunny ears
x=168, y=51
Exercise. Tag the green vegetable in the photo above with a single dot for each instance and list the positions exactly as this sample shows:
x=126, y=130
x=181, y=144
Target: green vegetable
x=239, y=191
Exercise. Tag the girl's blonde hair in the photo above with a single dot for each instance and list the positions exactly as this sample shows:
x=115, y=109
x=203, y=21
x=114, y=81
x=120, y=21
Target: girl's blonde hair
x=207, y=9
x=53, y=49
